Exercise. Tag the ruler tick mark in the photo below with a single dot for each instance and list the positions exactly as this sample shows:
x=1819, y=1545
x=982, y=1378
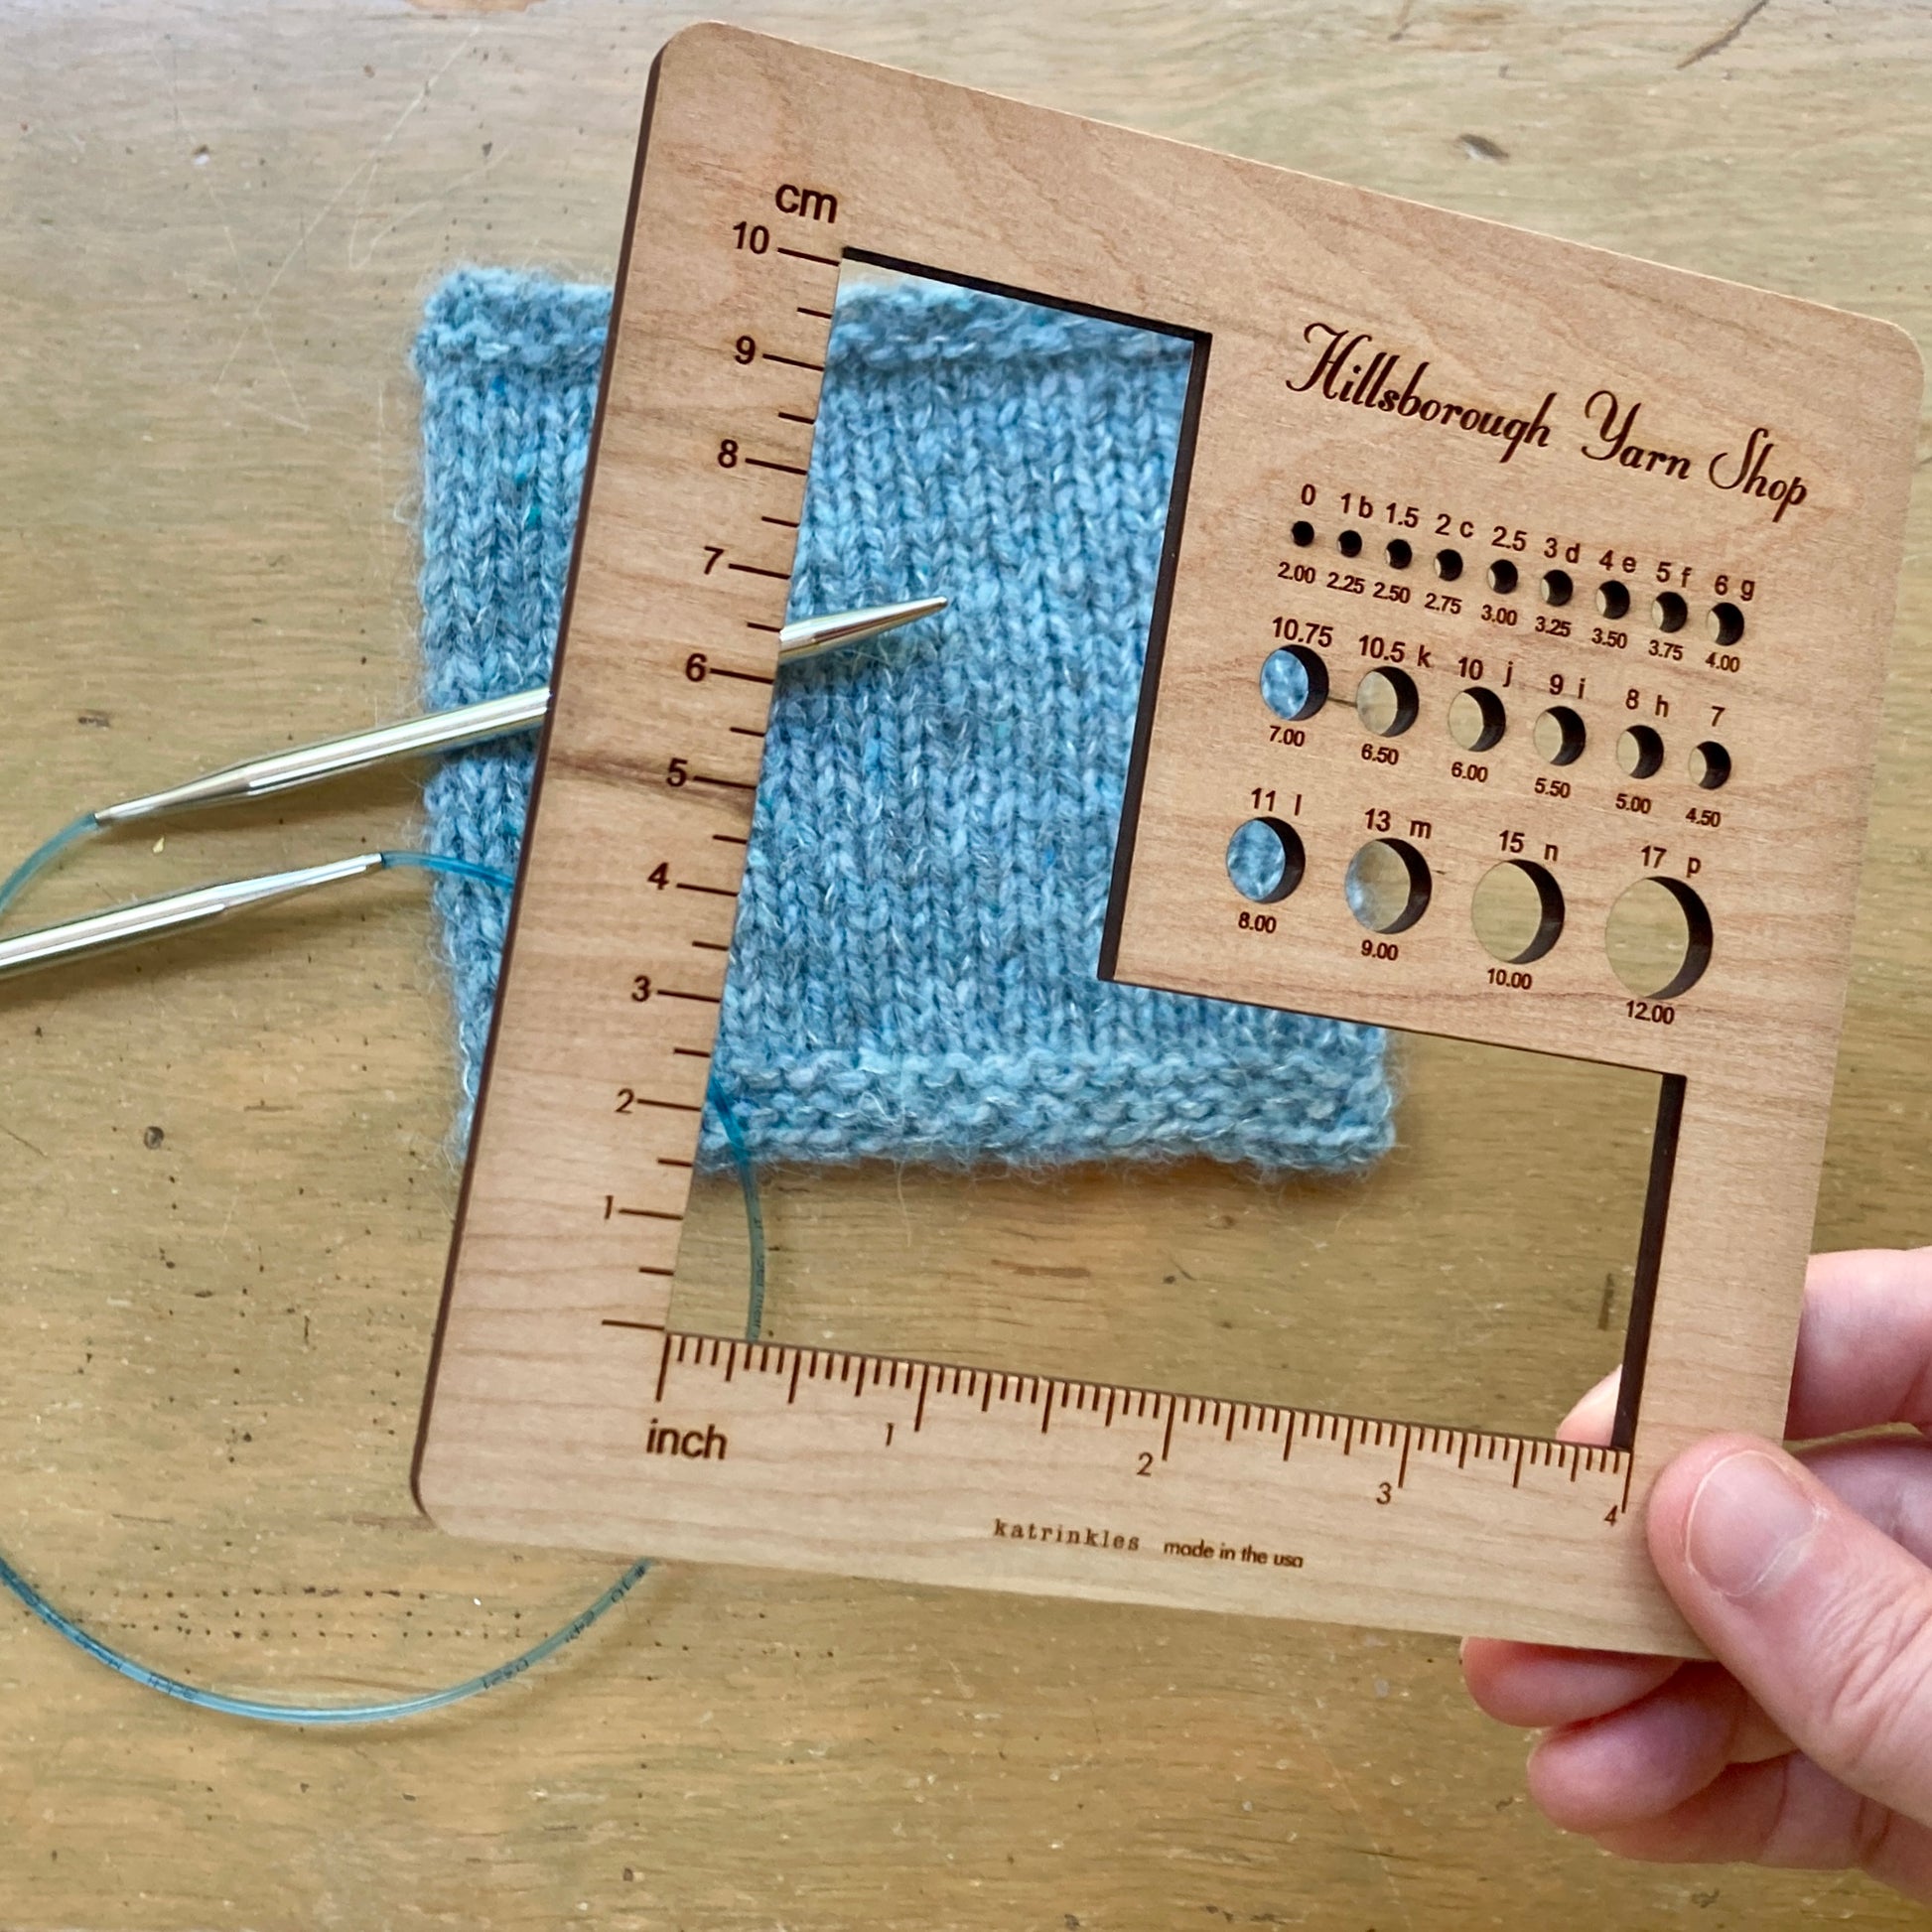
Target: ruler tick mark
x=1402, y=1474
x=746, y=677
x=806, y=255
x=1518, y=1477
x=724, y=785
x=671, y=993
x=664, y=1364
x=1167, y=1441
x=791, y=416
x=766, y=462
x=716, y=892
x=664, y=1272
x=706, y=945
x=665, y=1160
x=688, y=1053
x=643, y=1328
x=728, y=838
x=824, y=315
x=651, y=1214
x=758, y=570
x=791, y=1394
x=744, y=731
x=918, y=1415
x=794, y=361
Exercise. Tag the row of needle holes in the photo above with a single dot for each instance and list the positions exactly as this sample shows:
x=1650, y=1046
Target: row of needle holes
x=1668, y=612
x=1294, y=685
x=1658, y=934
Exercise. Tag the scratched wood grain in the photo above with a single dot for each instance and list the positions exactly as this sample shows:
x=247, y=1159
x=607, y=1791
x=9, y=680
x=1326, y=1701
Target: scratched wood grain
x=216, y=228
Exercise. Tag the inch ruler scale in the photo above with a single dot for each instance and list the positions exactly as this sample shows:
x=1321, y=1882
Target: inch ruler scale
x=1470, y=461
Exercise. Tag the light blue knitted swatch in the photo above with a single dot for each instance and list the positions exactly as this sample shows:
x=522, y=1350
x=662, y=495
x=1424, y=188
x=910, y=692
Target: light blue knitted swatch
x=913, y=971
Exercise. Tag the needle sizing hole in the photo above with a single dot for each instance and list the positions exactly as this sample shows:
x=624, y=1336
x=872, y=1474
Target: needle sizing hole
x=1265, y=860
x=1388, y=885
x=1476, y=718
x=1559, y=735
x=1726, y=624
x=1294, y=682
x=1556, y=587
x=1401, y=553
x=1639, y=752
x=1301, y=534
x=1517, y=911
x=1349, y=543
x=1658, y=938
x=1502, y=575
x=1449, y=565
x=1669, y=612
x=1387, y=703
x=1612, y=598
x=1710, y=765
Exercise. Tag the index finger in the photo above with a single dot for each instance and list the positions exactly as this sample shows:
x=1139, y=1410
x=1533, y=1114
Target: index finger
x=1864, y=1343
x=1864, y=1350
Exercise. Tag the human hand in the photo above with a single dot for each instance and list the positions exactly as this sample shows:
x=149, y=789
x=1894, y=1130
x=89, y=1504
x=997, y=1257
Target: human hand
x=1809, y=1741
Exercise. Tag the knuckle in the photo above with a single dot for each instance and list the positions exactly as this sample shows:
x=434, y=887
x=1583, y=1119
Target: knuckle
x=1875, y=1709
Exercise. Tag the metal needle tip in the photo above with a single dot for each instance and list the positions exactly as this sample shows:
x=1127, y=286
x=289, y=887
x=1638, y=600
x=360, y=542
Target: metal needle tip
x=810, y=635
x=126, y=924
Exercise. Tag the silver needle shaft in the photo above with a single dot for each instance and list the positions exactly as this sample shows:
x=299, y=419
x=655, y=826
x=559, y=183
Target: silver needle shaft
x=152, y=918
x=470, y=724
x=810, y=635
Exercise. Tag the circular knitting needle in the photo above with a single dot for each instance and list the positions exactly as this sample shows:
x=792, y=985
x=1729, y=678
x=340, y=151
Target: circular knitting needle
x=809, y=636
x=470, y=724
x=152, y=918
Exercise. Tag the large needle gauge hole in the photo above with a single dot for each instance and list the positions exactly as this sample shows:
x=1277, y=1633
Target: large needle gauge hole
x=1294, y=682
x=1559, y=735
x=1556, y=587
x=1385, y=702
x=1639, y=752
x=1388, y=885
x=1517, y=911
x=1265, y=860
x=1658, y=938
x=1612, y=598
x=1476, y=718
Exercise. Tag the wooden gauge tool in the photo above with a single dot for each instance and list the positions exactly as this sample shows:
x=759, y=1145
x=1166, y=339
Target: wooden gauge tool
x=1565, y=562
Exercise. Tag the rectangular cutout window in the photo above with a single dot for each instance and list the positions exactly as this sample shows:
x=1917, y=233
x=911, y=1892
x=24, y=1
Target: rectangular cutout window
x=1053, y=1175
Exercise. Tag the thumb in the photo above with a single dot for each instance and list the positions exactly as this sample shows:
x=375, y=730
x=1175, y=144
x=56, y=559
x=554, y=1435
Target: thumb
x=1822, y=1618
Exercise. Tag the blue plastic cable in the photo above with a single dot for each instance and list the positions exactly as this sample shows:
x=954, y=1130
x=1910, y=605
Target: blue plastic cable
x=386, y=1710
x=44, y=855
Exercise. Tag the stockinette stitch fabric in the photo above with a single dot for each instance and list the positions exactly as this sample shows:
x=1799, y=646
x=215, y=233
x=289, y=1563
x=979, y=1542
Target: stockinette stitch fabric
x=912, y=969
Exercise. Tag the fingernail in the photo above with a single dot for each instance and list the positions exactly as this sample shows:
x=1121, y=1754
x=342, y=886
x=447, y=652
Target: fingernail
x=1749, y=1524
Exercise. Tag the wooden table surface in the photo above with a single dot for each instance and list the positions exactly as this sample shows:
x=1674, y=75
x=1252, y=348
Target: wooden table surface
x=225, y=1183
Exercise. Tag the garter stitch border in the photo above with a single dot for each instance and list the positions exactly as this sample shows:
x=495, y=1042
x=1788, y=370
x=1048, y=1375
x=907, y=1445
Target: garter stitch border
x=913, y=966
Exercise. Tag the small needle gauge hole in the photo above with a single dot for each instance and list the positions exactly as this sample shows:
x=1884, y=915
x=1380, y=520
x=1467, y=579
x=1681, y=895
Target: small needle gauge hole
x=1710, y=765
x=1476, y=718
x=1639, y=752
x=1559, y=735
